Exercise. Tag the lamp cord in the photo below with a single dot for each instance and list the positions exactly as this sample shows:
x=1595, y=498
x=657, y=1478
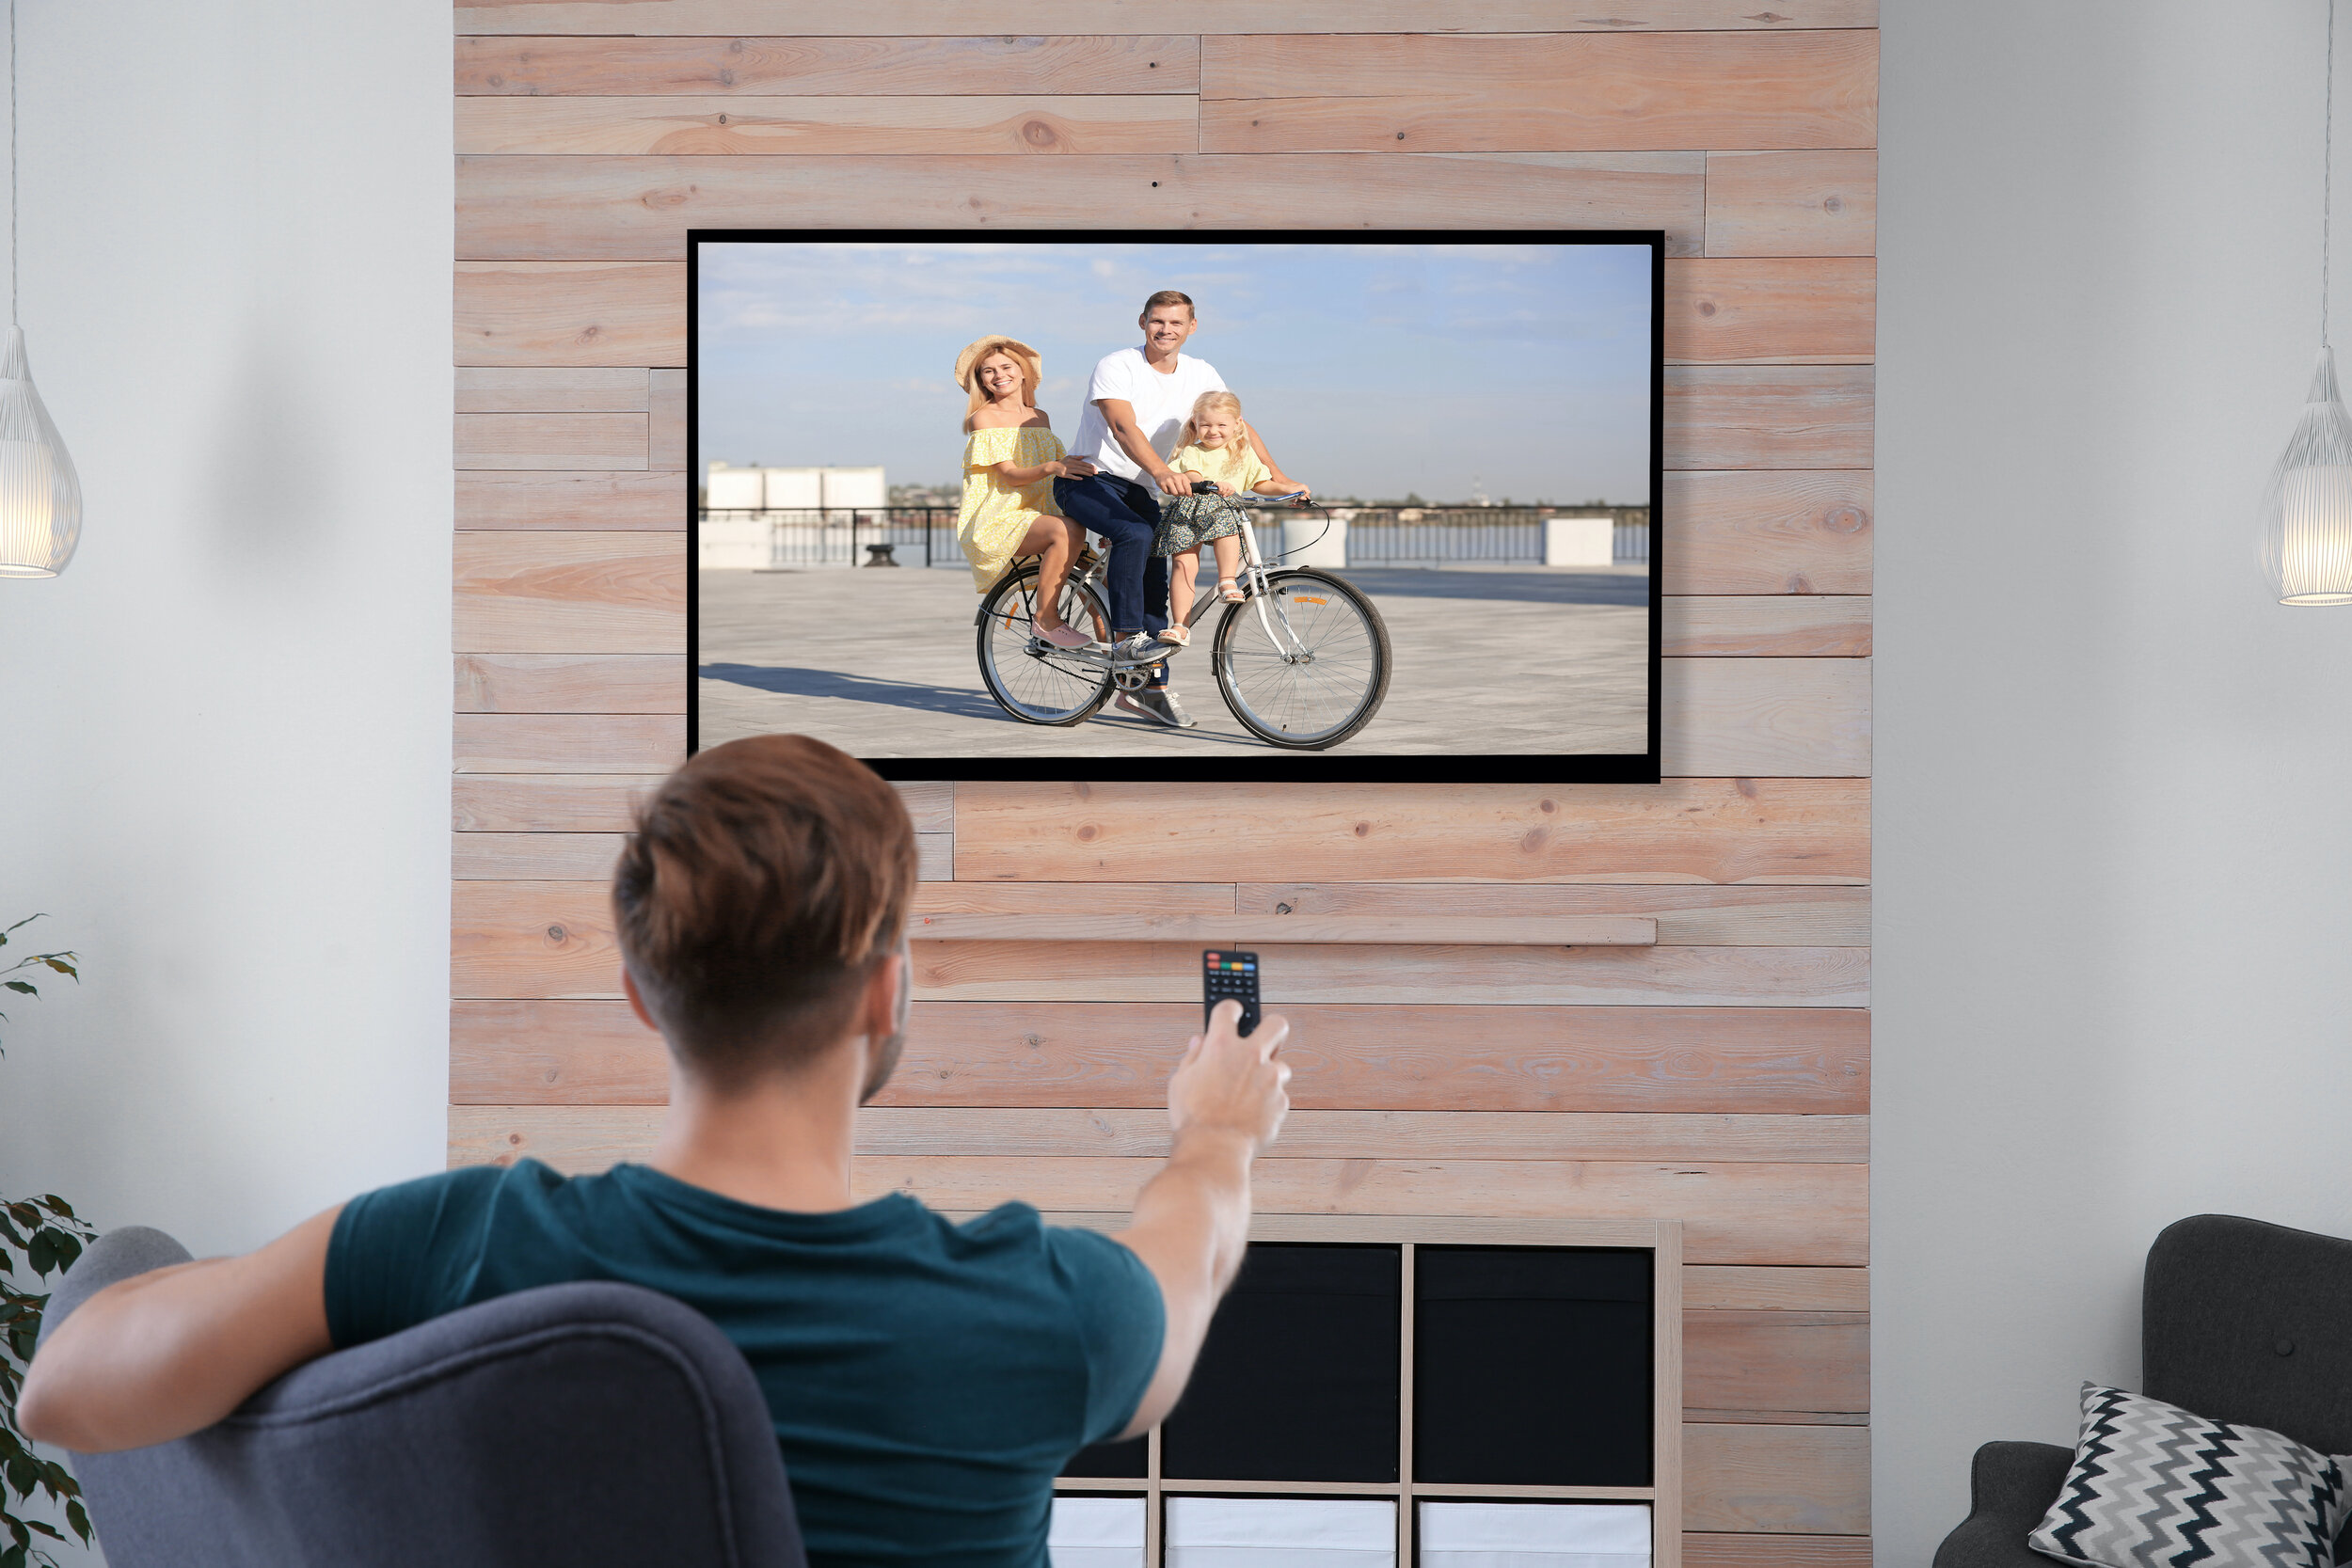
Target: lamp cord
x=2326, y=161
x=12, y=153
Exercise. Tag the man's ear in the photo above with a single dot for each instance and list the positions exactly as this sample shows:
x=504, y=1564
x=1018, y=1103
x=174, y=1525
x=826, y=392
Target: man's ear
x=636, y=1000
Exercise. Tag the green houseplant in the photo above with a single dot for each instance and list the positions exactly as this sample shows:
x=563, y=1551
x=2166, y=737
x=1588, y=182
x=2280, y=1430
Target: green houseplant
x=37, y=1236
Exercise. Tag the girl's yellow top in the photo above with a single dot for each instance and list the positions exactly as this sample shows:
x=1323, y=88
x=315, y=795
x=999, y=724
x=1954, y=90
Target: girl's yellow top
x=997, y=516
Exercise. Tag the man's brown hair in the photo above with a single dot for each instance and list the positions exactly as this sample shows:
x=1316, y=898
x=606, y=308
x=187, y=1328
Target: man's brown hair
x=1169, y=296
x=765, y=881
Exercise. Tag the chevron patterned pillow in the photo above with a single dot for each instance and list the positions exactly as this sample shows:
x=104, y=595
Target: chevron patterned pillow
x=2153, y=1486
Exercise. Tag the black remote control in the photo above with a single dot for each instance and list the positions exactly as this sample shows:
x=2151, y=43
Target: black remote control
x=1233, y=974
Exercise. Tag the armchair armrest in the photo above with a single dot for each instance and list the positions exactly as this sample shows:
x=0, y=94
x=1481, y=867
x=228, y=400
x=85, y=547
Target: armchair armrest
x=2010, y=1486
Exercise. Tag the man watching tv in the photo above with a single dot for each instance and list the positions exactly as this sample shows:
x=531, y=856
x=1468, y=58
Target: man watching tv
x=928, y=1380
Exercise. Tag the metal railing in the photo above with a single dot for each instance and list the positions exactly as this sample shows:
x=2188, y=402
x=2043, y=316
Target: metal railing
x=802, y=538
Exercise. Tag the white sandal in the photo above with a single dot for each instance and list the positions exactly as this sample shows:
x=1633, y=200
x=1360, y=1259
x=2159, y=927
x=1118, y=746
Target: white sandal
x=1229, y=588
x=1178, y=635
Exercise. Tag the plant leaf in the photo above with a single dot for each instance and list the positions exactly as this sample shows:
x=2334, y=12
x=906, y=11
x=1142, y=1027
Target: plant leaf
x=77, y=1519
x=24, y=986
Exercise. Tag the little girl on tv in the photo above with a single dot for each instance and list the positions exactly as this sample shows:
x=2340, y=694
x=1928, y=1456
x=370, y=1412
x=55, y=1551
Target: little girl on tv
x=1214, y=446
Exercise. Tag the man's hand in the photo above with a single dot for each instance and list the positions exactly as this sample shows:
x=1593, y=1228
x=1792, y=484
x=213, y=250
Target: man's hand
x=1172, y=484
x=1226, y=1102
x=1229, y=1082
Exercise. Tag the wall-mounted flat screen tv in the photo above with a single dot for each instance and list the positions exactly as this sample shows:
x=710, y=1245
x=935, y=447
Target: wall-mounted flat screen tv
x=1213, y=506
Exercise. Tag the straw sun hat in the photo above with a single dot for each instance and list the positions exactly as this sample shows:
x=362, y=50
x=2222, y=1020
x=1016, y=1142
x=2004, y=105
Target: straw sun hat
x=967, y=367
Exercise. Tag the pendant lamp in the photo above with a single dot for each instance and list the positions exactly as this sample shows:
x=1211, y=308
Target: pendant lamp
x=40, y=499
x=2307, y=506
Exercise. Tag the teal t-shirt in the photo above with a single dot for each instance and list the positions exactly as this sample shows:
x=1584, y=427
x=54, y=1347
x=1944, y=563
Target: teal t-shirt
x=928, y=1379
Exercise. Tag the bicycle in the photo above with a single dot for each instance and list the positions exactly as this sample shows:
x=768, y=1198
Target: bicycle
x=1302, y=661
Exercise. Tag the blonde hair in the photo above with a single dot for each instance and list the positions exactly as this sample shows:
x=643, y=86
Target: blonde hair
x=968, y=370
x=1202, y=405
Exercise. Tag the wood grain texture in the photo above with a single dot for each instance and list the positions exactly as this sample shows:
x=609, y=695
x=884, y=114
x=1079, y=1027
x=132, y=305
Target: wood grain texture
x=1684, y=831
x=1757, y=417
x=571, y=313
x=858, y=66
x=542, y=390
x=588, y=857
x=666, y=446
x=918, y=18
x=1763, y=532
x=1815, y=1362
x=559, y=804
x=1686, y=916
x=1023, y=126
x=1800, y=1480
x=499, y=930
x=1194, y=930
x=1738, y=1336
x=1799, y=718
x=1776, y=1289
x=1070, y=898
x=1779, y=626
x=550, y=440
x=652, y=501
x=1445, y=1056
x=571, y=210
x=625, y=743
x=931, y=805
x=592, y=593
x=1771, y=312
x=1518, y=977
x=1792, y=203
x=547, y=803
x=522, y=857
x=570, y=683
x=1730, y=1213
x=1711, y=1550
x=1537, y=91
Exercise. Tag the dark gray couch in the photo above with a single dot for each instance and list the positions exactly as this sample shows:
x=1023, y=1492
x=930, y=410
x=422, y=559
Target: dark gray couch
x=2240, y=1321
x=591, y=1425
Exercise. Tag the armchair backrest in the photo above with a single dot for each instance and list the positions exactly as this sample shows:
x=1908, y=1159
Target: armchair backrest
x=2250, y=1323
x=596, y=1425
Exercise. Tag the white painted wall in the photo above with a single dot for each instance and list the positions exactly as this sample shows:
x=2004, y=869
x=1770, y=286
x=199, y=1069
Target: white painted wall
x=2113, y=842
x=225, y=735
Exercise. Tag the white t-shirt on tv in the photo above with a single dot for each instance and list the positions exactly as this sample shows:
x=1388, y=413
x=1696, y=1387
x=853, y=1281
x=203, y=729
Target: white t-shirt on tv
x=1162, y=404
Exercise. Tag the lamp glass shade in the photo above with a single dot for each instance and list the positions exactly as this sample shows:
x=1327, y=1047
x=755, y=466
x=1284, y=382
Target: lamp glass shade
x=2307, y=507
x=40, y=497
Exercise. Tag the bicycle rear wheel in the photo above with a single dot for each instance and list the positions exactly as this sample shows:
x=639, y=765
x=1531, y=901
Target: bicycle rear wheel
x=1034, y=681
x=1307, y=666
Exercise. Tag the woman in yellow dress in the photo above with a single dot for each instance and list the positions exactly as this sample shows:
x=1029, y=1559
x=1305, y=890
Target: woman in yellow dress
x=1011, y=460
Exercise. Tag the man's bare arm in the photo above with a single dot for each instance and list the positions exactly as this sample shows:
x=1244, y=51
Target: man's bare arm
x=1226, y=1101
x=1121, y=416
x=1257, y=444
x=168, y=1352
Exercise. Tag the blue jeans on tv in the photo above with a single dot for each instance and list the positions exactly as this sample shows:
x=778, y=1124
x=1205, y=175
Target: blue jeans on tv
x=1127, y=515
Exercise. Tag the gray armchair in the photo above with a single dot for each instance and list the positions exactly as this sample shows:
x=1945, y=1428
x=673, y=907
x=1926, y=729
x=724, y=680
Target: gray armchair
x=594, y=1425
x=2240, y=1321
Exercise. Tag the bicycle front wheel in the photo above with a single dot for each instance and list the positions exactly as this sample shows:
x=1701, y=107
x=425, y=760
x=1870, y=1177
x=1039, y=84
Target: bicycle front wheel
x=1034, y=681
x=1304, y=665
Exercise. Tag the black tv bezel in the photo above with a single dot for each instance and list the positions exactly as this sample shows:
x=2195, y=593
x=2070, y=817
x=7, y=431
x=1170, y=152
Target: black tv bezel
x=1271, y=765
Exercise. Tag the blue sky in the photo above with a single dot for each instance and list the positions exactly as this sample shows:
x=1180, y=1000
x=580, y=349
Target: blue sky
x=1371, y=369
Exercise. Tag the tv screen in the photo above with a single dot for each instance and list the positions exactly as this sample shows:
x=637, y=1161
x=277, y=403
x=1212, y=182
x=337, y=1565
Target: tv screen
x=1180, y=506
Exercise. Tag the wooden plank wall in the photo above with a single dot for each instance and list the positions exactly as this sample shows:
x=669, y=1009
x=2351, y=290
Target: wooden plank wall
x=1721, y=1079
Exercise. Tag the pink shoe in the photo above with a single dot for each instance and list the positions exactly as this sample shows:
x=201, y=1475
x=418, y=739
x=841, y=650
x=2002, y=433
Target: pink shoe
x=1063, y=636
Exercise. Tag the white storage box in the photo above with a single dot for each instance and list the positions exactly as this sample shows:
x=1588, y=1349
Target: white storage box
x=1096, y=1533
x=1534, y=1535
x=1282, y=1533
